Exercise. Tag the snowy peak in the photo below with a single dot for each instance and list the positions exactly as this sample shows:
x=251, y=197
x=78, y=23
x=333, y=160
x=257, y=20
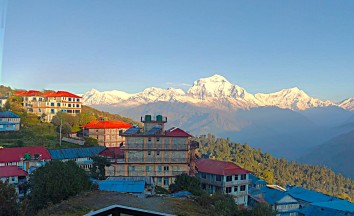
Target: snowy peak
x=215, y=86
x=347, y=104
x=292, y=98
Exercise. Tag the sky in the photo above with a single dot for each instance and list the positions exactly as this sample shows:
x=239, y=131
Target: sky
x=263, y=46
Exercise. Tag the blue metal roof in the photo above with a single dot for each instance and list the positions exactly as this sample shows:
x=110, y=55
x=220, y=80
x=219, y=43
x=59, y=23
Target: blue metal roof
x=255, y=180
x=122, y=186
x=309, y=195
x=8, y=114
x=71, y=153
x=319, y=211
x=341, y=205
x=271, y=195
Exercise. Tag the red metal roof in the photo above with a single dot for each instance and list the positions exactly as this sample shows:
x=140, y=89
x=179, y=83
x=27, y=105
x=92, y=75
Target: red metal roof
x=15, y=154
x=113, y=152
x=176, y=132
x=47, y=94
x=106, y=124
x=219, y=167
x=11, y=171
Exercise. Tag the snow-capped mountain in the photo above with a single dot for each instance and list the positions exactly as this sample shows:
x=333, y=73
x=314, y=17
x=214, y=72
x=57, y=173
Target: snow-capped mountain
x=292, y=98
x=215, y=91
x=348, y=104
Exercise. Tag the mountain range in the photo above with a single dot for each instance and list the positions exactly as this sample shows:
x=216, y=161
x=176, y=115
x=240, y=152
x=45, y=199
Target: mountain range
x=215, y=92
x=288, y=123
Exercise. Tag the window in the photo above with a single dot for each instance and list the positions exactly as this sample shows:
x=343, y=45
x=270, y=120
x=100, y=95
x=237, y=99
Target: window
x=149, y=139
x=69, y=99
x=228, y=178
x=52, y=111
x=40, y=99
x=243, y=188
x=159, y=180
x=157, y=139
x=159, y=168
x=165, y=168
x=77, y=105
x=147, y=168
x=58, y=104
x=165, y=181
x=78, y=100
x=243, y=177
x=133, y=168
x=149, y=152
x=51, y=104
x=235, y=188
x=69, y=105
x=203, y=175
x=228, y=189
x=218, y=178
x=236, y=177
x=158, y=153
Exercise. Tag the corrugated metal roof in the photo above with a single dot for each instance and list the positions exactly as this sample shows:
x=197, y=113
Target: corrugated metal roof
x=219, y=167
x=309, y=195
x=11, y=171
x=15, y=154
x=106, y=124
x=122, y=186
x=341, y=205
x=8, y=114
x=71, y=153
x=176, y=132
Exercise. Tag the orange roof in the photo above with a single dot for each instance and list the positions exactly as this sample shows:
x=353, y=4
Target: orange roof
x=106, y=124
x=47, y=94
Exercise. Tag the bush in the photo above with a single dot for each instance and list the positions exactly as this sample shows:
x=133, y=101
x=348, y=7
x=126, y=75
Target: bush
x=8, y=197
x=188, y=183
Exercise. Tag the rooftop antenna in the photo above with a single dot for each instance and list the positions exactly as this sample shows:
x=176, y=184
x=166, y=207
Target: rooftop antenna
x=3, y=10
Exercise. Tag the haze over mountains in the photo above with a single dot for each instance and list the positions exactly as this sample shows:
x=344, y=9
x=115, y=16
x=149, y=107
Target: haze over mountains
x=288, y=123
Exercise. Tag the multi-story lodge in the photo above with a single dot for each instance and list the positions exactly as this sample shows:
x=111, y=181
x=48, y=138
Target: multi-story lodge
x=9, y=121
x=48, y=104
x=224, y=176
x=107, y=133
x=155, y=152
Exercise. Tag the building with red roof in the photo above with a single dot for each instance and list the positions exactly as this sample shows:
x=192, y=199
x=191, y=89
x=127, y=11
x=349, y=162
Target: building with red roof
x=47, y=104
x=14, y=176
x=24, y=157
x=106, y=132
x=224, y=176
x=155, y=152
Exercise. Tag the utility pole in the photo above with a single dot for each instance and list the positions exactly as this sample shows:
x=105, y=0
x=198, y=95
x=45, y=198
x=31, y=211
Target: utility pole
x=61, y=123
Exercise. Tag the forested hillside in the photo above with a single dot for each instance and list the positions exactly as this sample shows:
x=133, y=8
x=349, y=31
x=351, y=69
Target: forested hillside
x=279, y=171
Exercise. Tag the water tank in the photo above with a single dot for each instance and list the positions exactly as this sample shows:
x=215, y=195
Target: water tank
x=159, y=118
x=27, y=156
x=147, y=118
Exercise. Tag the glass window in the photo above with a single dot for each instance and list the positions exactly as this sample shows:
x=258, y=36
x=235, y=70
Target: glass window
x=69, y=99
x=228, y=189
x=78, y=100
x=228, y=178
x=159, y=179
x=235, y=188
x=133, y=168
x=243, y=177
x=51, y=104
x=149, y=152
x=147, y=168
x=149, y=139
x=158, y=153
x=166, y=168
x=236, y=177
x=69, y=105
x=243, y=188
x=58, y=104
x=159, y=168
x=218, y=178
x=157, y=139
x=52, y=111
x=203, y=175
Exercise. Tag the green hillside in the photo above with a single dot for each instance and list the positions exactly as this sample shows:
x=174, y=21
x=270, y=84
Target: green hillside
x=274, y=170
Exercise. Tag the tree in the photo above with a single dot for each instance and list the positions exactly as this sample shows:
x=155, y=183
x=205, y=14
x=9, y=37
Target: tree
x=98, y=167
x=261, y=210
x=56, y=181
x=8, y=197
x=91, y=142
x=188, y=183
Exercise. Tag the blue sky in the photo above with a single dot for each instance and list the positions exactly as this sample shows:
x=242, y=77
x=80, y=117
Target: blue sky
x=263, y=46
